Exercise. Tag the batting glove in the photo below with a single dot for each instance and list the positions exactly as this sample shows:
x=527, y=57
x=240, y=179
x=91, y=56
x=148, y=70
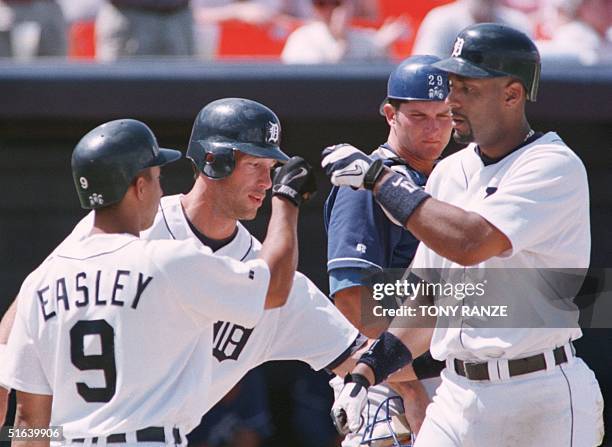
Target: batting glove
x=348, y=166
x=295, y=181
x=346, y=411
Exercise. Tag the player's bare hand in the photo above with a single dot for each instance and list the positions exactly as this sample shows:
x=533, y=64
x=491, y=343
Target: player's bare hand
x=295, y=181
x=346, y=411
x=345, y=165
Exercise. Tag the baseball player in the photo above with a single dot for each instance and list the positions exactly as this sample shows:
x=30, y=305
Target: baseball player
x=113, y=333
x=361, y=238
x=513, y=198
x=233, y=145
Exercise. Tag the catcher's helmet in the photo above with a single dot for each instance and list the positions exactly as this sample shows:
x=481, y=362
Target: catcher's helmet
x=385, y=429
x=107, y=159
x=233, y=124
x=488, y=50
x=415, y=78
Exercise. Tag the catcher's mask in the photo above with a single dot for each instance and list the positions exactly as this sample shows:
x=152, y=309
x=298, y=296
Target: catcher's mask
x=386, y=429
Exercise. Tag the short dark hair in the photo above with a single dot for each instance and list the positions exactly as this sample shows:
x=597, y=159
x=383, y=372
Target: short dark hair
x=395, y=103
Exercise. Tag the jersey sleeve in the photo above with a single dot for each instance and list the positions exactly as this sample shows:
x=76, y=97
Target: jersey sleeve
x=539, y=200
x=357, y=238
x=218, y=287
x=22, y=368
x=310, y=328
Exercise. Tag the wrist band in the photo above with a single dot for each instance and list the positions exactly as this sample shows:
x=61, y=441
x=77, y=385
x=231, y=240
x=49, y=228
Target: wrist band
x=400, y=197
x=385, y=356
x=372, y=174
x=359, y=379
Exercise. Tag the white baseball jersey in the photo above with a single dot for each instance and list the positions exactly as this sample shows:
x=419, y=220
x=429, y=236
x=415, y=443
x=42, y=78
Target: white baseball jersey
x=307, y=328
x=116, y=328
x=538, y=197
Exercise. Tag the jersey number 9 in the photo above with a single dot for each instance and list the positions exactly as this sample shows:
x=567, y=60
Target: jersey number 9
x=105, y=361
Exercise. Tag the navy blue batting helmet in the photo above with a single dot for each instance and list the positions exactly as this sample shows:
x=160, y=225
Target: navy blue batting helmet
x=107, y=159
x=417, y=79
x=233, y=124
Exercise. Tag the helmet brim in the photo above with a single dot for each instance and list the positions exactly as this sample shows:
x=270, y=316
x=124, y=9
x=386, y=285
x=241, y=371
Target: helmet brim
x=273, y=152
x=166, y=156
x=465, y=68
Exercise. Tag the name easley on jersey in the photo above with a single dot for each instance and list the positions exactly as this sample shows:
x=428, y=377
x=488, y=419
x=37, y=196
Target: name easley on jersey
x=104, y=287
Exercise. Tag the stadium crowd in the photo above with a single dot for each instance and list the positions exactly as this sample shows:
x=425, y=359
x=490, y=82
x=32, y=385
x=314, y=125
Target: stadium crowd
x=294, y=31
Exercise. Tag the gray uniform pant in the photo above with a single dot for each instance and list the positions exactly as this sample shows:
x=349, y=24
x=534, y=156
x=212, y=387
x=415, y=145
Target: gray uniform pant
x=129, y=32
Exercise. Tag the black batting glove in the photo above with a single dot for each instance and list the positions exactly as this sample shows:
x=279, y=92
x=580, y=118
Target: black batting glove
x=295, y=181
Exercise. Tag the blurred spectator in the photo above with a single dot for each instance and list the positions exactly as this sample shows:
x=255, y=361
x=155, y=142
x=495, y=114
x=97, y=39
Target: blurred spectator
x=440, y=27
x=77, y=10
x=209, y=13
x=240, y=419
x=128, y=28
x=330, y=38
x=30, y=28
x=582, y=31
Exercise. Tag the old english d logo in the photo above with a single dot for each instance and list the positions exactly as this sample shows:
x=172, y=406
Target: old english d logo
x=229, y=340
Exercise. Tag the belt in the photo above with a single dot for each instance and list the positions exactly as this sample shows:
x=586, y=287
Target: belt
x=516, y=367
x=159, y=9
x=149, y=434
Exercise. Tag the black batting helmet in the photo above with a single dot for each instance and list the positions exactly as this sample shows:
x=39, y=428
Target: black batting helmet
x=486, y=50
x=107, y=159
x=233, y=124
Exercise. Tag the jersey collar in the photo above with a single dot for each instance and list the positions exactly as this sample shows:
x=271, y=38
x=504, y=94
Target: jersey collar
x=490, y=161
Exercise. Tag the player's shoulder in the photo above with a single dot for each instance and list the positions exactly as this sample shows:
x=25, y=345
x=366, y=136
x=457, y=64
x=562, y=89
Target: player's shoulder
x=171, y=248
x=169, y=221
x=456, y=159
x=552, y=154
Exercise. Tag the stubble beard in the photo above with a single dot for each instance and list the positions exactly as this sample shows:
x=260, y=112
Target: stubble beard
x=465, y=138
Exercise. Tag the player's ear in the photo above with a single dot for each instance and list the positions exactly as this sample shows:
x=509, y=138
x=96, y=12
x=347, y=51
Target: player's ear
x=389, y=112
x=514, y=93
x=140, y=184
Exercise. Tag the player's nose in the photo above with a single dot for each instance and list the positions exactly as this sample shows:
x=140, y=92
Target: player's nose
x=452, y=99
x=265, y=179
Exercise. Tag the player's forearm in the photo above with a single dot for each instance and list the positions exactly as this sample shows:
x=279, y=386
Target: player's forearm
x=7, y=322
x=463, y=237
x=280, y=251
x=3, y=404
x=415, y=339
x=356, y=304
x=33, y=411
x=416, y=400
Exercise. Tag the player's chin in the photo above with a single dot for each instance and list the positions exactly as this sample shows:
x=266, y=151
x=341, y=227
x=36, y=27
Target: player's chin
x=249, y=214
x=462, y=137
x=432, y=149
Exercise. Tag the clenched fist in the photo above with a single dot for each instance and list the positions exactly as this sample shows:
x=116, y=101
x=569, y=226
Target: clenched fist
x=348, y=166
x=294, y=181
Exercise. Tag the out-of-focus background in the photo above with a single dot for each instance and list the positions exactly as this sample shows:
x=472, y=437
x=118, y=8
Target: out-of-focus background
x=321, y=65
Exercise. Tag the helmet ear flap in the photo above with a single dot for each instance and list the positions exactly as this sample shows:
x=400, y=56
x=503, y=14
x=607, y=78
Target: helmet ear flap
x=218, y=163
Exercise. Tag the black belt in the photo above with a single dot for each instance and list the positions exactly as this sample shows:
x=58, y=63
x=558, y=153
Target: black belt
x=516, y=367
x=168, y=9
x=149, y=434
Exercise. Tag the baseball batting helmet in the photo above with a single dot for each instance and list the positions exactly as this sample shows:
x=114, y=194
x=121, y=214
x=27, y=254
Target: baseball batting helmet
x=415, y=78
x=233, y=124
x=107, y=159
x=487, y=50
x=386, y=429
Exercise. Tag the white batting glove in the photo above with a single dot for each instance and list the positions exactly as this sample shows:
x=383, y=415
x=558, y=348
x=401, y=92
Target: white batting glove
x=345, y=165
x=347, y=409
